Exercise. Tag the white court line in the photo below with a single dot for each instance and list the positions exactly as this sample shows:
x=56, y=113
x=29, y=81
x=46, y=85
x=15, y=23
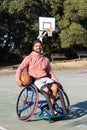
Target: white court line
x=1, y=128
x=9, y=91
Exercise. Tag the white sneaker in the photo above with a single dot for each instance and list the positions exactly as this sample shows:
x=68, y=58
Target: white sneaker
x=55, y=112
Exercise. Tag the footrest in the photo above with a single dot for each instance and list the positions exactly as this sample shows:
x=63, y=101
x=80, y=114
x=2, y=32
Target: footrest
x=49, y=117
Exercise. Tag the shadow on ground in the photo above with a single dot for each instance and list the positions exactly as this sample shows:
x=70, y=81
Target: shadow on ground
x=78, y=110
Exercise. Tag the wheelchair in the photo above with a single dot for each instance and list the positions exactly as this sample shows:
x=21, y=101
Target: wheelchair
x=32, y=104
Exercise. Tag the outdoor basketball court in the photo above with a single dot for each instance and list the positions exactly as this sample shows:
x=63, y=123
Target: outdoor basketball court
x=75, y=84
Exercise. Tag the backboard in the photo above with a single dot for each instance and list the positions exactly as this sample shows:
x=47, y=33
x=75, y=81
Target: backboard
x=46, y=24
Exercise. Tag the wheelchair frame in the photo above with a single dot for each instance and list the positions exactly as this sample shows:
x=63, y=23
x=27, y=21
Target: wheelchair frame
x=29, y=105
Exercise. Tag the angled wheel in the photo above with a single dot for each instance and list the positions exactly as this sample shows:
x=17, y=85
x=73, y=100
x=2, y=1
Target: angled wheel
x=27, y=103
x=66, y=99
x=60, y=105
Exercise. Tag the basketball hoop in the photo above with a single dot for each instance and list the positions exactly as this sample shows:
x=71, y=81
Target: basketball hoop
x=46, y=26
x=49, y=31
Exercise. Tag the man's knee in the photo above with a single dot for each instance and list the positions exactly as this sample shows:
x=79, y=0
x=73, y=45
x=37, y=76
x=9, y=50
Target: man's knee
x=54, y=86
x=47, y=88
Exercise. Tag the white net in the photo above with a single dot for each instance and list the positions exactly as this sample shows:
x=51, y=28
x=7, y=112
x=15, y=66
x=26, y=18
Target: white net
x=49, y=31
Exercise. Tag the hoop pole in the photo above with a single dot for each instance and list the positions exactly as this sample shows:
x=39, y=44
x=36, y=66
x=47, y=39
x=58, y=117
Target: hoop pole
x=40, y=37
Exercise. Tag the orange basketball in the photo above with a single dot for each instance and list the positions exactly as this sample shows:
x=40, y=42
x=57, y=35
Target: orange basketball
x=26, y=79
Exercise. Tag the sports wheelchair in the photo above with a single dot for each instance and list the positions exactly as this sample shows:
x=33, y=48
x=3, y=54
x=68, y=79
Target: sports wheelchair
x=32, y=104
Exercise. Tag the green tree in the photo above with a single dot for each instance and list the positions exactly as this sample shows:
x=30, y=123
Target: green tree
x=72, y=24
x=19, y=18
x=75, y=34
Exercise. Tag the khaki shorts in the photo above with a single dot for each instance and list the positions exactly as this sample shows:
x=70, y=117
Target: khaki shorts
x=42, y=81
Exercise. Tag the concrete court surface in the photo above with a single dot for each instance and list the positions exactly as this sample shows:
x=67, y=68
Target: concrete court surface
x=74, y=83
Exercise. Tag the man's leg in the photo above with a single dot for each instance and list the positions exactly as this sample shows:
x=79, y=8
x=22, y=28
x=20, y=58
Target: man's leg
x=54, y=89
x=50, y=87
x=47, y=96
x=52, y=95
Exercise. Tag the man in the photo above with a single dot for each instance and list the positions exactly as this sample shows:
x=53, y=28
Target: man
x=39, y=68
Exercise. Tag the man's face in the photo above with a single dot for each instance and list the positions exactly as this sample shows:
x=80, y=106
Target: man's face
x=37, y=47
